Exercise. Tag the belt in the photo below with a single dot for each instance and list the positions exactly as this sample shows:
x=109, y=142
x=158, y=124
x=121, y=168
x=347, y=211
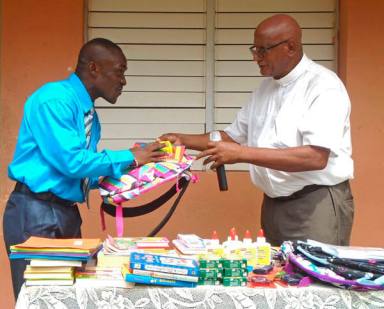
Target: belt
x=300, y=193
x=43, y=196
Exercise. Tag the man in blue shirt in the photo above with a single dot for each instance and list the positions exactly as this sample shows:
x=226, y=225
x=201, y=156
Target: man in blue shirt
x=56, y=160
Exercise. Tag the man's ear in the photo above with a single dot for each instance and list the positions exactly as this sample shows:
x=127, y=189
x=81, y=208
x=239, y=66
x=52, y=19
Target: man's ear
x=292, y=47
x=93, y=68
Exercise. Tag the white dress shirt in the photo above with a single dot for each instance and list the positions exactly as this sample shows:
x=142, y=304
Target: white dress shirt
x=308, y=106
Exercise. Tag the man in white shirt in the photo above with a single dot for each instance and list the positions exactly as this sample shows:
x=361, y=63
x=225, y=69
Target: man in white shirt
x=295, y=134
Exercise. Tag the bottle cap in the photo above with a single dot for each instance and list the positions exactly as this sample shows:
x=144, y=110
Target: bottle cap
x=260, y=236
x=260, y=233
x=233, y=234
x=247, y=237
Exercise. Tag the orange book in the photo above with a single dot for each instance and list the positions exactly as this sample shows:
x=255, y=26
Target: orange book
x=34, y=242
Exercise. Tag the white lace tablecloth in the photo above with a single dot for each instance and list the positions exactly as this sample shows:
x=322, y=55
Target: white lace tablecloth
x=200, y=297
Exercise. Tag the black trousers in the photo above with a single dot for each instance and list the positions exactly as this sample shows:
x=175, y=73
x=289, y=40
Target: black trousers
x=26, y=214
x=322, y=213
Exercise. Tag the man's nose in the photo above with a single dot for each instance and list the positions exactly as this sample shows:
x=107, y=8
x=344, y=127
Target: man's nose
x=256, y=57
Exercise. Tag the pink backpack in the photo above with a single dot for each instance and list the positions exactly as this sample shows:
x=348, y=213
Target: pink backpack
x=136, y=181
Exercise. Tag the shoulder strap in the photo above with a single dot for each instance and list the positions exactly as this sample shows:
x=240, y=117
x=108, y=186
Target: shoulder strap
x=151, y=206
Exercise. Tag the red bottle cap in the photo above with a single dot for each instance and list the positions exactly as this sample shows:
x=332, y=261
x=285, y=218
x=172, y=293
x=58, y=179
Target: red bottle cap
x=232, y=233
x=247, y=234
x=260, y=233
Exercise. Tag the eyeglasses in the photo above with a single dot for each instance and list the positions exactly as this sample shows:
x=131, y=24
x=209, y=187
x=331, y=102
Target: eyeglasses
x=261, y=51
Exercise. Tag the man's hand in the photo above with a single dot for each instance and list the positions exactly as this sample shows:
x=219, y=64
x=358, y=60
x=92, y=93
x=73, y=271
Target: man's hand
x=221, y=153
x=149, y=153
x=174, y=138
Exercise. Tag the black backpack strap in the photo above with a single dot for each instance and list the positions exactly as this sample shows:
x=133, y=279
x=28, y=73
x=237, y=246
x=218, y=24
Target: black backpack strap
x=136, y=211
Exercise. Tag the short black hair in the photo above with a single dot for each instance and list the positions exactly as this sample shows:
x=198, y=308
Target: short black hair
x=108, y=44
x=89, y=50
x=98, y=42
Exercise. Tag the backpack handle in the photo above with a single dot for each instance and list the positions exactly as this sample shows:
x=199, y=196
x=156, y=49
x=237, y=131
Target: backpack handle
x=151, y=206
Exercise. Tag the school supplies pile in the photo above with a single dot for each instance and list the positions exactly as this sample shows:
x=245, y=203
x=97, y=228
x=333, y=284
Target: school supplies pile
x=318, y=261
x=80, y=249
x=154, y=269
x=141, y=179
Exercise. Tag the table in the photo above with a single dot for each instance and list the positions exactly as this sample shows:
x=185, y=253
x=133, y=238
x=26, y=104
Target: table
x=315, y=296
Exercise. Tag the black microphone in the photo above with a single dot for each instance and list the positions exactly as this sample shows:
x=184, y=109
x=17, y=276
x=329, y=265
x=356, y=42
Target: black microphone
x=215, y=136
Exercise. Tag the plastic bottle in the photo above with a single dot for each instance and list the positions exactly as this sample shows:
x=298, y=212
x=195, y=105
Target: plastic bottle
x=213, y=242
x=233, y=243
x=215, y=238
x=249, y=251
x=263, y=249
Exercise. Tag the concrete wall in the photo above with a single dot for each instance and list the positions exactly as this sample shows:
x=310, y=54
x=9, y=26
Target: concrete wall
x=40, y=41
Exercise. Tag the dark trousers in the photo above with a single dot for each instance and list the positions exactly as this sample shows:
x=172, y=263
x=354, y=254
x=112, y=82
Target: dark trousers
x=322, y=213
x=26, y=216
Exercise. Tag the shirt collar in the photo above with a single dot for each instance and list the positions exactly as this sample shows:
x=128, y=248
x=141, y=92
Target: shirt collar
x=299, y=69
x=81, y=91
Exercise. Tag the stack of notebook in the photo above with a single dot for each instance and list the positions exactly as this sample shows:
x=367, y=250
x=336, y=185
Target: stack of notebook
x=80, y=249
x=153, y=269
x=53, y=261
x=49, y=275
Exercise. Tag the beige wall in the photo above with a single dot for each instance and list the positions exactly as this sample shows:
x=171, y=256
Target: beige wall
x=40, y=40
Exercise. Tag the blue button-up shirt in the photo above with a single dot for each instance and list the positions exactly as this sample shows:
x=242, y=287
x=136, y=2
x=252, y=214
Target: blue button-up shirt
x=51, y=153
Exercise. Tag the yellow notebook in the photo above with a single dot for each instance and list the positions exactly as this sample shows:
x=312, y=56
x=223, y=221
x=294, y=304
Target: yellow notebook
x=57, y=269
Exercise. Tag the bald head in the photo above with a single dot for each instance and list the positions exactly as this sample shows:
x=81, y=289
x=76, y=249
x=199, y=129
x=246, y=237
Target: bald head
x=280, y=26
